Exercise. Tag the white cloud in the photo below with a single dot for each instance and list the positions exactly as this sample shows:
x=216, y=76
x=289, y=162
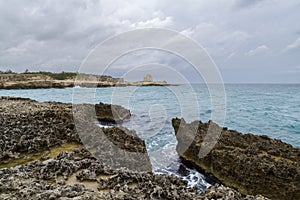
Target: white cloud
x=258, y=50
x=154, y=23
x=188, y=32
x=230, y=56
x=294, y=45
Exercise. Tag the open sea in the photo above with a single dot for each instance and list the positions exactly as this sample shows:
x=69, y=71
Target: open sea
x=264, y=109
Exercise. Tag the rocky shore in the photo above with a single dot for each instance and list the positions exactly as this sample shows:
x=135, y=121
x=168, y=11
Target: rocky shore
x=78, y=175
x=252, y=164
x=29, y=127
x=43, y=157
x=38, y=81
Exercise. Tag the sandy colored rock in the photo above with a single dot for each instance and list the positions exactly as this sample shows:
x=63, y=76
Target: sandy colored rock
x=37, y=81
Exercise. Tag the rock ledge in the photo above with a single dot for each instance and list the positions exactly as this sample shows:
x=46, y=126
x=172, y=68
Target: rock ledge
x=252, y=164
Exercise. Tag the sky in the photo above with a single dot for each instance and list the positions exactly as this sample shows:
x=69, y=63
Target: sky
x=255, y=41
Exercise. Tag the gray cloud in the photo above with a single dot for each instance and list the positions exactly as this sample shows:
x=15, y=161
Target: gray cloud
x=57, y=35
x=246, y=3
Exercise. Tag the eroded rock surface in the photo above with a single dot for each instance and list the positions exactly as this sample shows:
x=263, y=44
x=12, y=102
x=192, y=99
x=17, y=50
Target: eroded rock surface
x=252, y=164
x=222, y=192
x=28, y=127
x=111, y=113
x=115, y=167
x=116, y=146
x=78, y=175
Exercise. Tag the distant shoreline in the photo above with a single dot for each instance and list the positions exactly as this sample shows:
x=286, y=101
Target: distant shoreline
x=46, y=80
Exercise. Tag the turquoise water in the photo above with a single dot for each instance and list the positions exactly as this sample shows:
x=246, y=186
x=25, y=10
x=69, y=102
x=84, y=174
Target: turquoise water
x=269, y=109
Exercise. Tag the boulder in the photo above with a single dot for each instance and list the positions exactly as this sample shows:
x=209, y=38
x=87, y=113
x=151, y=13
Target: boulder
x=250, y=163
x=117, y=146
x=111, y=113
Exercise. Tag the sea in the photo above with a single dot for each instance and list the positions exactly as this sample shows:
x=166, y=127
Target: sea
x=262, y=109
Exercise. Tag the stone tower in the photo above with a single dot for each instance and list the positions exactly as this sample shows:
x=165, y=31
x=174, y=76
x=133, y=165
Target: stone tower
x=148, y=78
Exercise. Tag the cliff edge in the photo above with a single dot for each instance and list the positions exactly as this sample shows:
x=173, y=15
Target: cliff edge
x=250, y=163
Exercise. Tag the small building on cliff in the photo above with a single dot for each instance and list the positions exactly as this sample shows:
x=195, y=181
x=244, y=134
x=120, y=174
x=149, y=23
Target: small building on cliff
x=148, y=78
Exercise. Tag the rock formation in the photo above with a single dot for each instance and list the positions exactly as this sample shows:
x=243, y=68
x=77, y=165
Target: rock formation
x=222, y=192
x=48, y=80
x=28, y=126
x=78, y=175
x=42, y=158
x=111, y=113
x=252, y=164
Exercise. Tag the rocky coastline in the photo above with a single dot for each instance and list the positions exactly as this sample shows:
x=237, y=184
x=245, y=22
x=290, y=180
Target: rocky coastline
x=44, y=81
x=249, y=163
x=43, y=157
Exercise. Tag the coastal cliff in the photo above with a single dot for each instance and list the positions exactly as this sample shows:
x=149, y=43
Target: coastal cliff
x=252, y=164
x=64, y=80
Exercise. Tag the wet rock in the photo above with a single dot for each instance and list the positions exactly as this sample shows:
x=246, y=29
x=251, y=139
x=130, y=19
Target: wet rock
x=252, y=164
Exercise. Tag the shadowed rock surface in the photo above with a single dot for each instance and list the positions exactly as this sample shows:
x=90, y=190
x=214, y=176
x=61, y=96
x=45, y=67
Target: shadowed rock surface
x=111, y=113
x=252, y=164
x=117, y=146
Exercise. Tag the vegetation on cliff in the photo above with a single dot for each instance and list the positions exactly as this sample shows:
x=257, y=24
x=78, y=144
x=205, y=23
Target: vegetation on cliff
x=55, y=75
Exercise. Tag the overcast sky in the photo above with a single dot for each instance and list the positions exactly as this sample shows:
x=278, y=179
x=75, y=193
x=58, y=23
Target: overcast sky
x=249, y=40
